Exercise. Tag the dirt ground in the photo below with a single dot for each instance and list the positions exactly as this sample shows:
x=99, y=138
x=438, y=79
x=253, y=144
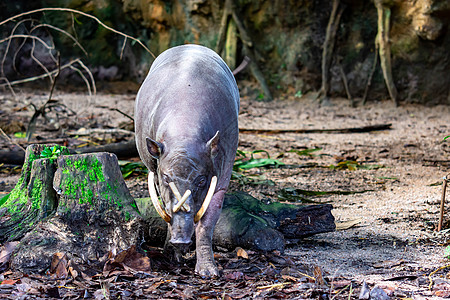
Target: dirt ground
x=392, y=244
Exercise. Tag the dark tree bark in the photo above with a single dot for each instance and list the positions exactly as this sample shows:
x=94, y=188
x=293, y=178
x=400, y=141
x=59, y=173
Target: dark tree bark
x=384, y=47
x=328, y=46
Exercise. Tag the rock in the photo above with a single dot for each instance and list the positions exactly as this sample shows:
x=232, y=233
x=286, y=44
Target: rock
x=378, y=293
x=365, y=291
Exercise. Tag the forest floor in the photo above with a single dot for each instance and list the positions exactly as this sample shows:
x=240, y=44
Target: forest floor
x=388, y=244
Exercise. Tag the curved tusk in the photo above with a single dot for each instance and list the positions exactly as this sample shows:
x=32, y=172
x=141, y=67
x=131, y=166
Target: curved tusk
x=182, y=201
x=175, y=191
x=202, y=210
x=151, y=188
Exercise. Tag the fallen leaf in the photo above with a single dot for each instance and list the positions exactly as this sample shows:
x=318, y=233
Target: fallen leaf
x=129, y=260
x=59, y=265
x=388, y=264
x=318, y=275
x=5, y=254
x=347, y=224
x=340, y=283
x=73, y=272
x=9, y=281
x=241, y=253
x=234, y=275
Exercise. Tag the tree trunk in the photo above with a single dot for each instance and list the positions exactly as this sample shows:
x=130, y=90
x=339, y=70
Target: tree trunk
x=328, y=46
x=384, y=14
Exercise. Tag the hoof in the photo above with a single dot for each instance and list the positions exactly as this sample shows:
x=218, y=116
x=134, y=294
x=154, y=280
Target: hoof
x=207, y=270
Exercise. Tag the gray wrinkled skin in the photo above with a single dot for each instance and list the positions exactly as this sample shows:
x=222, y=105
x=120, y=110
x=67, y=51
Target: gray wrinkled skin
x=188, y=96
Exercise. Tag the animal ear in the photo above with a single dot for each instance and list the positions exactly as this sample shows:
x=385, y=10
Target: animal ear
x=154, y=148
x=213, y=145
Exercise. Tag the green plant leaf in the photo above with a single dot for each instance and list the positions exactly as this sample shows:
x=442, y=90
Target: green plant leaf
x=292, y=195
x=245, y=163
x=305, y=152
x=447, y=252
x=257, y=163
x=250, y=179
x=129, y=168
x=20, y=135
x=448, y=136
x=353, y=165
x=51, y=152
x=4, y=199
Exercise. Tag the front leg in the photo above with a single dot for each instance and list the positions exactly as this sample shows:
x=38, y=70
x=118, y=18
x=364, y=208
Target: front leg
x=203, y=232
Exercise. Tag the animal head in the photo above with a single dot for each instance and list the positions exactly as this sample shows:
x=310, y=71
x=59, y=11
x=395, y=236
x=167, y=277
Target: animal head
x=186, y=182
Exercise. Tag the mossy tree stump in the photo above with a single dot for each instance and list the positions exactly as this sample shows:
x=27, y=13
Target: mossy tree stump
x=76, y=204
x=33, y=197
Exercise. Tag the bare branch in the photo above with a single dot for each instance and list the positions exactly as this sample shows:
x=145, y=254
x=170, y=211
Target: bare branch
x=20, y=81
x=8, y=46
x=10, y=140
x=90, y=75
x=27, y=37
x=63, y=32
x=123, y=47
x=39, y=62
x=86, y=81
x=83, y=14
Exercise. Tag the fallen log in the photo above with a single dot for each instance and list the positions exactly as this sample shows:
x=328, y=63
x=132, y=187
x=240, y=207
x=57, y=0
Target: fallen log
x=80, y=205
x=122, y=150
x=127, y=149
x=368, y=128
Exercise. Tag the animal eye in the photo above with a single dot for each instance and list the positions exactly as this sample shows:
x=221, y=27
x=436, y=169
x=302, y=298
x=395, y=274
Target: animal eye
x=201, y=181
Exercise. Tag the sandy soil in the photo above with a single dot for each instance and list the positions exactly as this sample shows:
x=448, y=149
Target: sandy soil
x=396, y=212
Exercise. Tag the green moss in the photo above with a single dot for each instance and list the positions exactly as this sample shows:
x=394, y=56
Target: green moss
x=74, y=187
x=35, y=194
x=127, y=216
x=18, y=199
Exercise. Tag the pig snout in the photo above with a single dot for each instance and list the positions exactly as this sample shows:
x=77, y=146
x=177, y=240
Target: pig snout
x=182, y=229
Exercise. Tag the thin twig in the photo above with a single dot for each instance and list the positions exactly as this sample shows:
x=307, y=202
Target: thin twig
x=123, y=47
x=38, y=62
x=20, y=81
x=10, y=140
x=63, y=32
x=345, y=82
x=434, y=272
x=118, y=110
x=272, y=286
x=41, y=111
x=100, y=131
x=83, y=14
x=91, y=76
x=8, y=84
x=441, y=215
x=14, y=36
x=8, y=46
x=86, y=81
x=343, y=289
x=372, y=71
